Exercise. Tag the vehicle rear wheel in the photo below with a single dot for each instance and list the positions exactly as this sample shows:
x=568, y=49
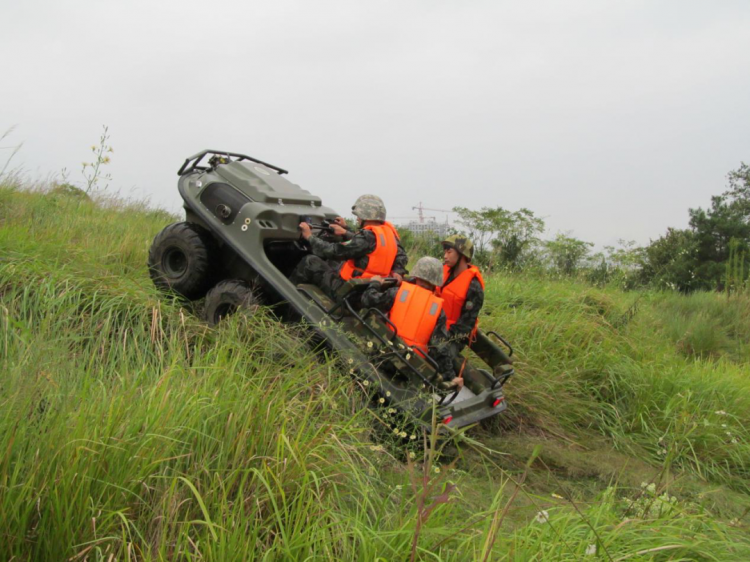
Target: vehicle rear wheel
x=180, y=259
x=228, y=297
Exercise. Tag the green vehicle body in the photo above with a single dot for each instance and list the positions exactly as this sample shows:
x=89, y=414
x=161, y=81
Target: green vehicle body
x=253, y=213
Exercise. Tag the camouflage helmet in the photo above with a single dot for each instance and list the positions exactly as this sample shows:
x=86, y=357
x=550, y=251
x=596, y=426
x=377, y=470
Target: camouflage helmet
x=461, y=244
x=369, y=208
x=430, y=270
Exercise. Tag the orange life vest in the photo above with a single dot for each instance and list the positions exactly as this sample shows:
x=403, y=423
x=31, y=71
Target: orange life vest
x=454, y=295
x=415, y=313
x=380, y=260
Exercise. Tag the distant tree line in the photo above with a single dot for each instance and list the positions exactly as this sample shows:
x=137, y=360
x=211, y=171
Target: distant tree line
x=711, y=254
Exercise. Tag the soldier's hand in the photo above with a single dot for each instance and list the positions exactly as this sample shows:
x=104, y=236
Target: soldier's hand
x=458, y=381
x=377, y=278
x=397, y=276
x=338, y=230
x=305, y=230
x=340, y=222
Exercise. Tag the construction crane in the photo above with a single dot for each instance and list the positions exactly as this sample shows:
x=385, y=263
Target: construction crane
x=407, y=221
x=420, y=208
x=411, y=217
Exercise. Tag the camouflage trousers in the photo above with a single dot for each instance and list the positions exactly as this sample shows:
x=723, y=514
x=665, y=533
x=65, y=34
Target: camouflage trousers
x=316, y=271
x=457, y=345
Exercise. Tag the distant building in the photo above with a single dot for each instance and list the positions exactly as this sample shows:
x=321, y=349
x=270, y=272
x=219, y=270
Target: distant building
x=440, y=229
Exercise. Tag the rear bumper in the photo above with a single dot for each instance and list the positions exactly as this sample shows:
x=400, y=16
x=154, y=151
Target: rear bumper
x=473, y=409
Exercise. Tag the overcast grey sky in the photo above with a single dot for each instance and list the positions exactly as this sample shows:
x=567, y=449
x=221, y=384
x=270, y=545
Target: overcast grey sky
x=607, y=118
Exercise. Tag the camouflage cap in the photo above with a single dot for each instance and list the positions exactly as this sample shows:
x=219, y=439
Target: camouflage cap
x=461, y=244
x=369, y=208
x=430, y=270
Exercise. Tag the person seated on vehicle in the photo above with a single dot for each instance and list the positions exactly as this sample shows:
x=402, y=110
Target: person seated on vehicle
x=462, y=291
x=375, y=249
x=417, y=313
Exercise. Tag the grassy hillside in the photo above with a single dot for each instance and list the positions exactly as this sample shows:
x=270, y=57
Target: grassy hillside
x=130, y=429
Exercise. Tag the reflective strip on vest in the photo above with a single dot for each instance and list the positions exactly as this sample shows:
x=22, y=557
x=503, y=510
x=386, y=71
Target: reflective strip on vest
x=454, y=294
x=380, y=260
x=415, y=313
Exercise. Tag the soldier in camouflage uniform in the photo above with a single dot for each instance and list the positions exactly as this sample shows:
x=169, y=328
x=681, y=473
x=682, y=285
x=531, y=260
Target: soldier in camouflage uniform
x=355, y=250
x=427, y=273
x=462, y=289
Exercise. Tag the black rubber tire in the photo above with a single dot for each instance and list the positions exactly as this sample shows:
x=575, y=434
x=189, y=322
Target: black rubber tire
x=228, y=297
x=180, y=260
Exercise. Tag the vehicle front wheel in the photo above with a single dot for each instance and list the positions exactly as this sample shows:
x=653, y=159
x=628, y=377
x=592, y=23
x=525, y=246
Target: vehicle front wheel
x=180, y=259
x=228, y=297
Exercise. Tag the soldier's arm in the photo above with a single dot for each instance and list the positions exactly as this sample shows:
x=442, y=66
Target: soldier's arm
x=375, y=297
x=399, y=264
x=361, y=244
x=469, y=313
x=440, y=350
x=348, y=232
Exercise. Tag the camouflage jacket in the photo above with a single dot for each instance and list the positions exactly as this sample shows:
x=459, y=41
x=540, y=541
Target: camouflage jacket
x=460, y=331
x=438, y=347
x=358, y=246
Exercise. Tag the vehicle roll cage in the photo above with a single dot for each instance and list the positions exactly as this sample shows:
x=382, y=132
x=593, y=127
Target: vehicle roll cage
x=192, y=163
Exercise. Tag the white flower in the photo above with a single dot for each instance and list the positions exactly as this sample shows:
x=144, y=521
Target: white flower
x=351, y=361
x=381, y=400
x=729, y=433
x=412, y=455
x=388, y=393
x=408, y=356
x=651, y=487
x=366, y=383
x=369, y=344
x=391, y=410
x=557, y=497
x=591, y=549
x=436, y=469
x=720, y=413
x=402, y=434
x=542, y=517
x=412, y=437
x=734, y=441
x=724, y=425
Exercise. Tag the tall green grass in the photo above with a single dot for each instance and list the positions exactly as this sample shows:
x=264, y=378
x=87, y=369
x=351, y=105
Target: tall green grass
x=616, y=363
x=130, y=430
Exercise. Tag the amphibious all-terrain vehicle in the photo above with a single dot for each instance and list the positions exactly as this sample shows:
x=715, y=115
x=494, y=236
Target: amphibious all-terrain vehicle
x=239, y=244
